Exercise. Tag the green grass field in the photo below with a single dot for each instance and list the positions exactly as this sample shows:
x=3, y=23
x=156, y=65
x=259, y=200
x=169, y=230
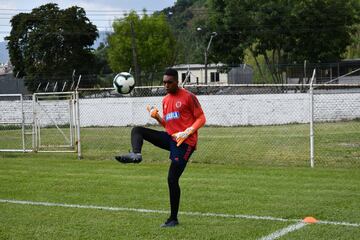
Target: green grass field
x=252, y=171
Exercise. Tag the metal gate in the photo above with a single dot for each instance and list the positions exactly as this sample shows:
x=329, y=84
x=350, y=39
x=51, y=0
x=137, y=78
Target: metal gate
x=48, y=123
x=56, y=122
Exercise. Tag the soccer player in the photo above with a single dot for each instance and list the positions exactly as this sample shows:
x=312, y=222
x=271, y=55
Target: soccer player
x=182, y=117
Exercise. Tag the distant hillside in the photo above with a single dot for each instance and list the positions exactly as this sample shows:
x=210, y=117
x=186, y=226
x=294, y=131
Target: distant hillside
x=101, y=39
x=185, y=17
x=4, y=55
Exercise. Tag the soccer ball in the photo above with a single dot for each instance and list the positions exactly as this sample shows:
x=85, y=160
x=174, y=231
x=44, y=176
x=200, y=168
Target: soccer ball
x=124, y=82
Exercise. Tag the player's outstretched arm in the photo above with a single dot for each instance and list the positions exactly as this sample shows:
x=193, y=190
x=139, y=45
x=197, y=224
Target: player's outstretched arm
x=154, y=113
x=180, y=137
x=199, y=122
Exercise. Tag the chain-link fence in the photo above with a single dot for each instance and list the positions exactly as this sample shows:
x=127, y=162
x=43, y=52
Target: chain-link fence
x=246, y=124
x=337, y=125
x=15, y=122
x=252, y=124
x=42, y=122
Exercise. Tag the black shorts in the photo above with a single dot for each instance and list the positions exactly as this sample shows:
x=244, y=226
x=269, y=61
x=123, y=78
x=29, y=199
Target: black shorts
x=162, y=140
x=180, y=154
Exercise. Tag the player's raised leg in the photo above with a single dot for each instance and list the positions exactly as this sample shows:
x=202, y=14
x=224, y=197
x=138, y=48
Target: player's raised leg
x=138, y=135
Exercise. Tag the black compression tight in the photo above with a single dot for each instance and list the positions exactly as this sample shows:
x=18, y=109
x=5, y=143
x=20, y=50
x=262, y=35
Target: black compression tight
x=158, y=138
x=175, y=171
x=161, y=139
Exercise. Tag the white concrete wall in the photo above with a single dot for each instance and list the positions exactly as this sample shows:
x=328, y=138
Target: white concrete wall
x=227, y=110
x=49, y=112
x=222, y=110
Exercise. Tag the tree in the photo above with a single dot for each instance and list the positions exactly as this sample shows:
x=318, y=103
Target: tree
x=146, y=45
x=105, y=74
x=101, y=58
x=260, y=27
x=323, y=29
x=353, y=50
x=229, y=20
x=283, y=31
x=185, y=18
x=47, y=44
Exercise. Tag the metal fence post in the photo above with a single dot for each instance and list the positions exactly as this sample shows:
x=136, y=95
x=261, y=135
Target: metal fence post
x=34, y=125
x=77, y=116
x=311, y=91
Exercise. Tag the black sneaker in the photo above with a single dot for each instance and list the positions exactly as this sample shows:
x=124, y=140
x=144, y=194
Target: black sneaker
x=129, y=158
x=170, y=223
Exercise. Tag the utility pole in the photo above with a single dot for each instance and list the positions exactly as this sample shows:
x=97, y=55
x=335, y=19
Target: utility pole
x=134, y=54
x=213, y=34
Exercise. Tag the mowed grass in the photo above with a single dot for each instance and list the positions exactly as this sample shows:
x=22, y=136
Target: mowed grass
x=261, y=171
x=292, y=193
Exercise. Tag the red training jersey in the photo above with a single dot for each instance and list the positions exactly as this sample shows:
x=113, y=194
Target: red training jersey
x=180, y=110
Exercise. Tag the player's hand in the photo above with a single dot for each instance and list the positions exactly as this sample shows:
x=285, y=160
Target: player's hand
x=180, y=137
x=153, y=110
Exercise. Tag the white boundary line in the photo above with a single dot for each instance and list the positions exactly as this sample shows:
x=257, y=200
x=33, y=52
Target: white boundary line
x=124, y=209
x=339, y=223
x=284, y=231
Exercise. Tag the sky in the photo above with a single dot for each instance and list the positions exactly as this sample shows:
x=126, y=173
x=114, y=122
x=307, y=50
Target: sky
x=100, y=12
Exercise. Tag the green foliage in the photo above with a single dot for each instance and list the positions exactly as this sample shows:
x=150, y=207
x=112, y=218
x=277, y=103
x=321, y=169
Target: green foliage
x=105, y=75
x=233, y=26
x=353, y=51
x=48, y=43
x=322, y=29
x=185, y=17
x=154, y=45
x=283, y=31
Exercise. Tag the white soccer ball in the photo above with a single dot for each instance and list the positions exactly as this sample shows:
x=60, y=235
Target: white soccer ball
x=124, y=82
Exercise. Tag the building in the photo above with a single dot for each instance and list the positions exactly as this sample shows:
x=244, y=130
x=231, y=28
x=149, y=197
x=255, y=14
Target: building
x=349, y=71
x=5, y=68
x=217, y=74
x=343, y=72
x=10, y=84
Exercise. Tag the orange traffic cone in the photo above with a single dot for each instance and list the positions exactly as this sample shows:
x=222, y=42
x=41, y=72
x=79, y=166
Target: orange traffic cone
x=310, y=220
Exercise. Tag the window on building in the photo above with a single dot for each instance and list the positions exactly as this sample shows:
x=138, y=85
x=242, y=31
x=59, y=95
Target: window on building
x=214, y=77
x=183, y=76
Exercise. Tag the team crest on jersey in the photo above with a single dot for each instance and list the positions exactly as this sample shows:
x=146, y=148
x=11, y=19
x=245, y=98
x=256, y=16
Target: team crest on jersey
x=172, y=116
x=178, y=104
